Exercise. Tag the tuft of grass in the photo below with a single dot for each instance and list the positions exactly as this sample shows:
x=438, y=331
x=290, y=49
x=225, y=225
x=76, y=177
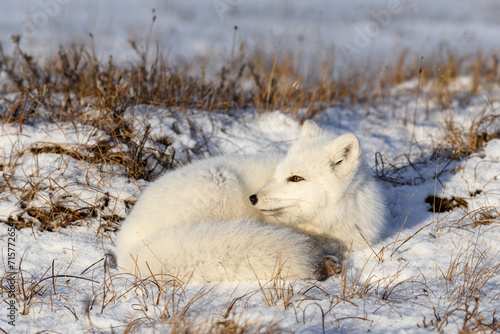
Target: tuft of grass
x=463, y=140
x=468, y=280
x=31, y=289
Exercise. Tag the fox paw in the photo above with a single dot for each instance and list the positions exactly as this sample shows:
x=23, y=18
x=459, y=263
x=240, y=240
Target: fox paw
x=328, y=267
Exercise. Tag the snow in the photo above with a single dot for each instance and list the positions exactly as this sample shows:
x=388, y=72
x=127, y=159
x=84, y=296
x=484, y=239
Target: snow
x=418, y=274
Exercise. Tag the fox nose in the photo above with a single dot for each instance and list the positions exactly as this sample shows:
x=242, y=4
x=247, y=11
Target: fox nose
x=253, y=199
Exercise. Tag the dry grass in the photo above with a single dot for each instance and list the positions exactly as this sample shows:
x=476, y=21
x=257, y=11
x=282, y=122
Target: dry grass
x=163, y=303
x=63, y=87
x=438, y=76
x=51, y=198
x=464, y=140
x=468, y=282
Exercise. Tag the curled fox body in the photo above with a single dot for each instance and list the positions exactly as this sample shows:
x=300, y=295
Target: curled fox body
x=253, y=217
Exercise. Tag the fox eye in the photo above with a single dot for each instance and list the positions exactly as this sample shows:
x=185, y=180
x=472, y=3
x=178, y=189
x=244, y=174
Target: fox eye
x=336, y=163
x=295, y=178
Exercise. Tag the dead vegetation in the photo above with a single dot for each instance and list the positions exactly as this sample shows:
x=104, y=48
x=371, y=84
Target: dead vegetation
x=64, y=87
x=464, y=140
x=443, y=204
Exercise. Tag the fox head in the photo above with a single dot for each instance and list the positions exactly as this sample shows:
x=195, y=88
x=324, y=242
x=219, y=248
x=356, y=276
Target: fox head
x=316, y=173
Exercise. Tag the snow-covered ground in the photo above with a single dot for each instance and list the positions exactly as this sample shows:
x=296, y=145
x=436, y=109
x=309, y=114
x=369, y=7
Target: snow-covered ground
x=430, y=270
x=428, y=265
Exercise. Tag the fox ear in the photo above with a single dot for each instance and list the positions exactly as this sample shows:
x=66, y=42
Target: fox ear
x=310, y=129
x=345, y=153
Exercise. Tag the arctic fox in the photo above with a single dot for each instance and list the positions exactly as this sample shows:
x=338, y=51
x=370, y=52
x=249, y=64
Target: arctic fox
x=255, y=217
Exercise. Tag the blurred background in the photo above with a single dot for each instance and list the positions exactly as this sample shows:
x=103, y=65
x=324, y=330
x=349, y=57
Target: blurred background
x=349, y=32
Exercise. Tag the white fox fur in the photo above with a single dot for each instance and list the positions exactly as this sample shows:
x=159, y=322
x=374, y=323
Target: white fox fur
x=236, y=250
x=336, y=195
x=249, y=217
